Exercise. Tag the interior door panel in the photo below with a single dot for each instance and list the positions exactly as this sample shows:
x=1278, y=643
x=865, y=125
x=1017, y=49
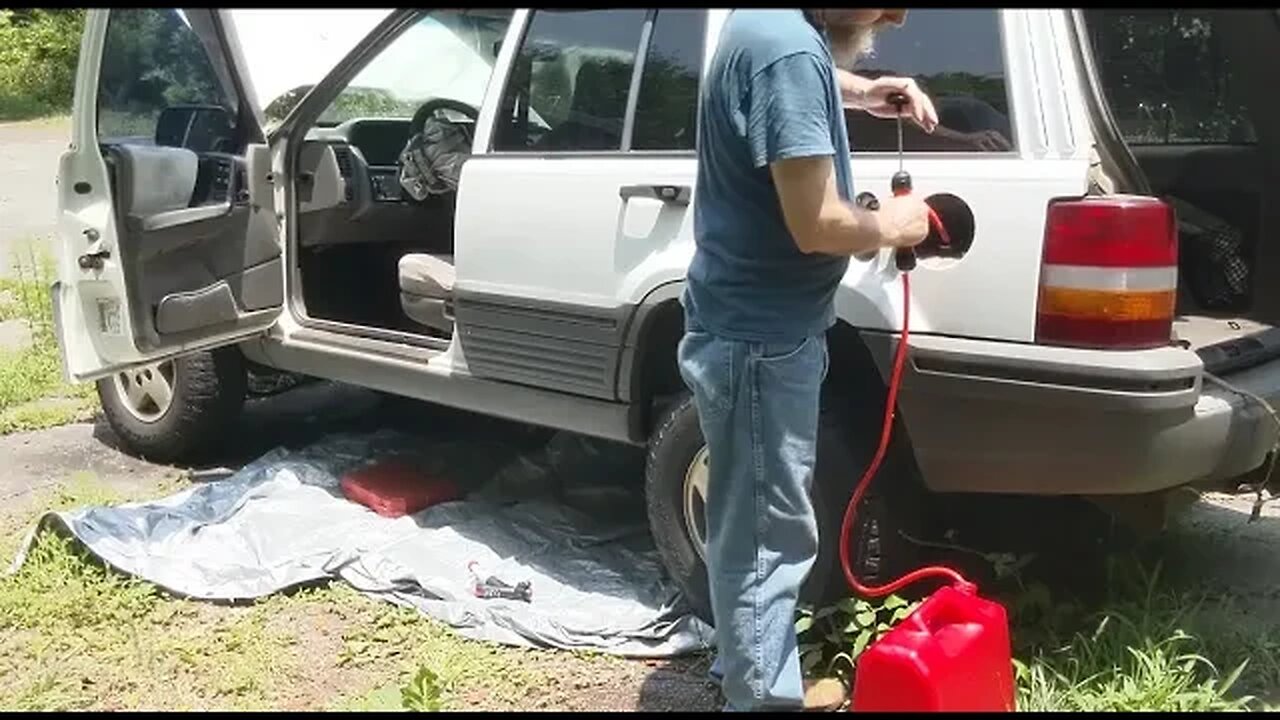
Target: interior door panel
x=167, y=218
x=201, y=258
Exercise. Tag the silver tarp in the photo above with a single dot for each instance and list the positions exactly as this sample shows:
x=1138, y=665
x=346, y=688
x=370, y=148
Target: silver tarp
x=281, y=521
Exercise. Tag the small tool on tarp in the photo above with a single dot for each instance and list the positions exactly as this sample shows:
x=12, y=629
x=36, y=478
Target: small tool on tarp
x=492, y=587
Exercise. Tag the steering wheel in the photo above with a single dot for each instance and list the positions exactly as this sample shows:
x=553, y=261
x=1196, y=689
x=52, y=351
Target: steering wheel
x=430, y=107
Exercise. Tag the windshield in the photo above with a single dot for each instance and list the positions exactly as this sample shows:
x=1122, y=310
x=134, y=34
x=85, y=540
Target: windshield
x=448, y=54
x=285, y=49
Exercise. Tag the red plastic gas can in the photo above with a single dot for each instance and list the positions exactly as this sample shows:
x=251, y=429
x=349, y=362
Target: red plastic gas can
x=951, y=654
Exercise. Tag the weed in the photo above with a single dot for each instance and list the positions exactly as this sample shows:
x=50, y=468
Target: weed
x=382, y=699
x=832, y=638
x=423, y=692
x=1151, y=647
x=400, y=639
x=59, y=588
x=33, y=394
x=47, y=413
x=1116, y=668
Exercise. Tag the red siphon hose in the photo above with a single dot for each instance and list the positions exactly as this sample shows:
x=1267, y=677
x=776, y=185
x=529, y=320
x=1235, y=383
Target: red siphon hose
x=886, y=434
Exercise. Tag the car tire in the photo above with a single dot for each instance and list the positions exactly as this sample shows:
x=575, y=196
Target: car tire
x=845, y=446
x=206, y=393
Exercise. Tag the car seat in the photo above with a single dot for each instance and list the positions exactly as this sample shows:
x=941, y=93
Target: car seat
x=426, y=290
x=599, y=104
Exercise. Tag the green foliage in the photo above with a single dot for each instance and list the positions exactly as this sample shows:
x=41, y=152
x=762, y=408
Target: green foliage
x=28, y=373
x=38, y=53
x=60, y=588
x=1116, y=668
x=1150, y=647
x=151, y=61
x=423, y=692
x=1157, y=56
x=353, y=102
x=832, y=638
x=33, y=394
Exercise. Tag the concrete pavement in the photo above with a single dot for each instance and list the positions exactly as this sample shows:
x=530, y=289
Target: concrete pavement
x=29, y=153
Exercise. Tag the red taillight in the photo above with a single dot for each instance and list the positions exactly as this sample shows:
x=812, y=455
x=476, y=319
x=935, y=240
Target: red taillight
x=1109, y=277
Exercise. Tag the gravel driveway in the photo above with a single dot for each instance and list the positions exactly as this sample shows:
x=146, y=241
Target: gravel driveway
x=29, y=153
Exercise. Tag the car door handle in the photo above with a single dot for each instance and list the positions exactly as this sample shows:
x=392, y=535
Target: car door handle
x=670, y=194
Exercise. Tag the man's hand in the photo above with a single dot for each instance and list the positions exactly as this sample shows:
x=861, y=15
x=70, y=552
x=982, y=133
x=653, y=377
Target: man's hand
x=904, y=221
x=872, y=96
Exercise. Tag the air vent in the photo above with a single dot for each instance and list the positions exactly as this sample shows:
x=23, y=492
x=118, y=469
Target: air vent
x=343, y=156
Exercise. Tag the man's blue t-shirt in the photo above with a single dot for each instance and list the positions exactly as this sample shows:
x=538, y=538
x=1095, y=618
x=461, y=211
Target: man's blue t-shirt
x=769, y=94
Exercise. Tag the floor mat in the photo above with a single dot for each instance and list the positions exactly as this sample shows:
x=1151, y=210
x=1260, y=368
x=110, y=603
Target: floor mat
x=549, y=518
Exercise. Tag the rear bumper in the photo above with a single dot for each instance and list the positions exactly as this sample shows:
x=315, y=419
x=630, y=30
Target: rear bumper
x=1006, y=418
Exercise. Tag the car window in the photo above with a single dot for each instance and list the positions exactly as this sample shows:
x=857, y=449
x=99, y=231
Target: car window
x=570, y=80
x=957, y=57
x=447, y=55
x=1166, y=77
x=153, y=60
x=667, y=106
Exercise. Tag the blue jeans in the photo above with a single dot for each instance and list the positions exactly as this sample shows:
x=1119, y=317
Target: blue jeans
x=758, y=409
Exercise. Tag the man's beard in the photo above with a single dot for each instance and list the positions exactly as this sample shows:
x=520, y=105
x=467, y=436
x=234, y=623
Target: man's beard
x=848, y=47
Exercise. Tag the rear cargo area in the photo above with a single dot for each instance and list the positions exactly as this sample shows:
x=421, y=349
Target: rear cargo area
x=1192, y=96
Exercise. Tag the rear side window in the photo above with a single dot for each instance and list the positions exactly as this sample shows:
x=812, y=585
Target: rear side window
x=957, y=57
x=156, y=59
x=570, y=81
x=1167, y=78
x=667, y=107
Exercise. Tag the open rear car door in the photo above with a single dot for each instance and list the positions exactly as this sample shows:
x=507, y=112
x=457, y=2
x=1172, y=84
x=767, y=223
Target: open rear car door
x=167, y=229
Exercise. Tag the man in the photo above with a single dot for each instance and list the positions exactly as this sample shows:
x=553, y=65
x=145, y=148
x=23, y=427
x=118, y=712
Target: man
x=774, y=226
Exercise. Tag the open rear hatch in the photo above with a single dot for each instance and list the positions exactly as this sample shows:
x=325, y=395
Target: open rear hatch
x=1184, y=108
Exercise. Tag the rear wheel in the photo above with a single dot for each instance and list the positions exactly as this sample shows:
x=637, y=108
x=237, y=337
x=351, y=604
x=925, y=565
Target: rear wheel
x=676, y=482
x=175, y=410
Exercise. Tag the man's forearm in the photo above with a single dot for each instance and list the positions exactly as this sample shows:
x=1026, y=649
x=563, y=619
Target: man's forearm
x=848, y=230
x=853, y=88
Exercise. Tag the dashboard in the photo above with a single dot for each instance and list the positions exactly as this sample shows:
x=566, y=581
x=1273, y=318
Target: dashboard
x=376, y=160
x=378, y=143
x=348, y=185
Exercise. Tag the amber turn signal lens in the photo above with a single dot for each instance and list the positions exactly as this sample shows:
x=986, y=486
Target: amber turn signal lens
x=1116, y=306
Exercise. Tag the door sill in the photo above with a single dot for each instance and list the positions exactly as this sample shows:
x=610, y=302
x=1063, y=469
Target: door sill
x=353, y=339
x=408, y=371
x=372, y=333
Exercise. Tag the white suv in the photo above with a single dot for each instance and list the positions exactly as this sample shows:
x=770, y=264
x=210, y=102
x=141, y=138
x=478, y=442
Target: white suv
x=223, y=206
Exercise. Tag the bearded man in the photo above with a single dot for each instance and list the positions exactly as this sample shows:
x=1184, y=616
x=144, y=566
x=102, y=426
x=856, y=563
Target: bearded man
x=774, y=225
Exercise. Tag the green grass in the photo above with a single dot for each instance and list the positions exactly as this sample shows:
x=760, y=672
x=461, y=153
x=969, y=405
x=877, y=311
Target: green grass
x=75, y=635
x=16, y=107
x=1150, y=646
x=33, y=393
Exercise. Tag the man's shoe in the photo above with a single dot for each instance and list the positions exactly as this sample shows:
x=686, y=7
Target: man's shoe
x=824, y=695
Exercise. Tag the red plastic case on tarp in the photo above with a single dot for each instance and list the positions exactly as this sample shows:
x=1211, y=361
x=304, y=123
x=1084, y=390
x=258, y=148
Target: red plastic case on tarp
x=393, y=489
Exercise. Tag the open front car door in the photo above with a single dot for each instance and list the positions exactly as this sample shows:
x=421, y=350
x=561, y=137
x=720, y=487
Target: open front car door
x=166, y=225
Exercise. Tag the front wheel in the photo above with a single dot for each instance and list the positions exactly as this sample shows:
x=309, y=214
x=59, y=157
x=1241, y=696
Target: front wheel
x=178, y=409
x=676, y=482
